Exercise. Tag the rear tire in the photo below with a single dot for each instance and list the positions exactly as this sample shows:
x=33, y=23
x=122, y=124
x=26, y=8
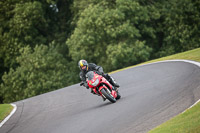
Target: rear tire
x=118, y=95
x=108, y=96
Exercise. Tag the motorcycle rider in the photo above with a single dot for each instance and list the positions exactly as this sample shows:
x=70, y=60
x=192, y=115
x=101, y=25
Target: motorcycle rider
x=86, y=67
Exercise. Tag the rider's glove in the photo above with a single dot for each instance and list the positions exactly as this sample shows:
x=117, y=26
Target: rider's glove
x=84, y=84
x=81, y=84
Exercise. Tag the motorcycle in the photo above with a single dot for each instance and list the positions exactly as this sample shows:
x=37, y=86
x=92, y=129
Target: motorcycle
x=102, y=87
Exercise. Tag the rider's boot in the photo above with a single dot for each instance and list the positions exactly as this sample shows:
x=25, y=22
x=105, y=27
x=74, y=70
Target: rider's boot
x=115, y=84
x=111, y=80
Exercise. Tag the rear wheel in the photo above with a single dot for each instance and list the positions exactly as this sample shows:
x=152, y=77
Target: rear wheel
x=118, y=95
x=108, y=95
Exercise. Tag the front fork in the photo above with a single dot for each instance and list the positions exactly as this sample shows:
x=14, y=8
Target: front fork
x=106, y=90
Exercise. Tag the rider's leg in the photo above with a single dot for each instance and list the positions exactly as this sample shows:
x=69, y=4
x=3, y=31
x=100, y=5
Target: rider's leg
x=111, y=80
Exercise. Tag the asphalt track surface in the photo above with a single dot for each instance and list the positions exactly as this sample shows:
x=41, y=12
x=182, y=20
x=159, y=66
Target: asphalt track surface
x=151, y=94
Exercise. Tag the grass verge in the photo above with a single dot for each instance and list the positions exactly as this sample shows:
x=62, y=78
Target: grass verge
x=187, y=122
x=5, y=110
x=188, y=55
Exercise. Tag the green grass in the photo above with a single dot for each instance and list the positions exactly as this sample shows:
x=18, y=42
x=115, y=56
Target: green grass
x=188, y=55
x=5, y=110
x=187, y=122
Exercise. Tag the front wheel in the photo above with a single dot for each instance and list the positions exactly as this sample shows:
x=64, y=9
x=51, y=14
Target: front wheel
x=108, y=96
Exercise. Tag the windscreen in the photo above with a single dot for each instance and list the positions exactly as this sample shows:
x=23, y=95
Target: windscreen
x=90, y=75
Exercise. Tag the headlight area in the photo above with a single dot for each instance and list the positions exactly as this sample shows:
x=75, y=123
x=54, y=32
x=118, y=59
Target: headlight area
x=96, y=82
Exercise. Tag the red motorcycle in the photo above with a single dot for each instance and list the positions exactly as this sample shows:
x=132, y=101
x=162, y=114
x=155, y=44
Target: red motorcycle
x=102, y=87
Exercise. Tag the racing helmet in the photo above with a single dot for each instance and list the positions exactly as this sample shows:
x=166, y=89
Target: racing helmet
x=83, y=65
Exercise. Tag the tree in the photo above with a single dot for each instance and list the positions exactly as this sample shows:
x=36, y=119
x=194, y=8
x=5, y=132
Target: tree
x=125, y=54
x=30, y=23
x=40, y=70
x=180, y=26
x=26, y=27
x=106, y=25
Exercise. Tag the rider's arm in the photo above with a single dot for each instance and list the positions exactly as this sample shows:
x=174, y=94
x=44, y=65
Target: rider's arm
x=96, y=68
x=100, y=69
x=83, y=79
x=82, y=76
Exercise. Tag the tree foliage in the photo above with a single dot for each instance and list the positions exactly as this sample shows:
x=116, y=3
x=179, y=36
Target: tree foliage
x=26, y=27
x=180, y=26
x=41, y=70
x=42, y=41
x=102, y=28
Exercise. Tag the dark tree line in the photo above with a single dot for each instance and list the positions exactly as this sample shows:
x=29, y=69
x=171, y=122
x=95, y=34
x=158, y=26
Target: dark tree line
x=42, y=41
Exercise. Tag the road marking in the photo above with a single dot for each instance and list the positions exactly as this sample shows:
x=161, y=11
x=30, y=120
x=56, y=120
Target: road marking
x=8, y=117
x=187, y=61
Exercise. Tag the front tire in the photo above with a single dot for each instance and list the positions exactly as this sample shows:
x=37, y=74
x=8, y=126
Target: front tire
x=108, y=96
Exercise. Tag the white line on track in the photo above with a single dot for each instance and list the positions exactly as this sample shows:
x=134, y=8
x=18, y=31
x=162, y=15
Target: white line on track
x=8, y=117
